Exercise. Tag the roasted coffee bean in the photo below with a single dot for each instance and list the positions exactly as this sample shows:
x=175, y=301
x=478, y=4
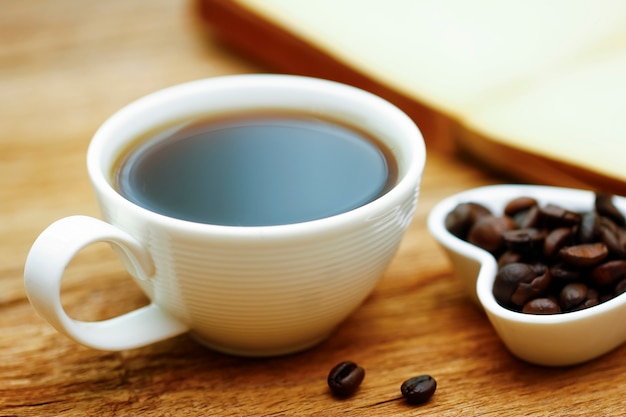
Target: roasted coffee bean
x=509, y=257
x=599, y=298
x=572, y=295
x=588, y=303
x=527, y=218
x=524, y=240
x=586, y=254
x=605, y=207
x=462, y=218
x=593, y=298
x=620, y=288
x=345, y=378
x=547, y=255
x=564, y=273
x=508, y=279
x=556, y=240
x=588, y=231
x=613, y=237
x=556, y=216
x=528, y=290
x=524, y=211
x=519, y=204
x=487, y=232
x=419, y=389
x=609, y=273
x=541, y=306
x=517, y=282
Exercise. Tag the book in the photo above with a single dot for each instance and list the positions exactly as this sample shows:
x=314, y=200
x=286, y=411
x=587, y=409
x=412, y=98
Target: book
x=535, y=89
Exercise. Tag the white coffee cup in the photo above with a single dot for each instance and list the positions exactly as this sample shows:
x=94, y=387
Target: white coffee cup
x=253, y=291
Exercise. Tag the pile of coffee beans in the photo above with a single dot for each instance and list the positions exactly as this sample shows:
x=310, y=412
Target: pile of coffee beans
x=550, y=259
x=345, y=378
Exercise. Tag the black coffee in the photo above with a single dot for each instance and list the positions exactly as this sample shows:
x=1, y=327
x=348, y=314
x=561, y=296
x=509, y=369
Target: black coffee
x=255, y=170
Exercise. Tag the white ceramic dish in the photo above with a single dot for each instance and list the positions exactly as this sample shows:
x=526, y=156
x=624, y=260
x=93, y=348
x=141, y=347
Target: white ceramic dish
x=552, y=340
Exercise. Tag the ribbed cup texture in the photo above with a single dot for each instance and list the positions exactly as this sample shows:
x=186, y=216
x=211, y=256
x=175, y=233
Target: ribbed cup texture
x=262, y=295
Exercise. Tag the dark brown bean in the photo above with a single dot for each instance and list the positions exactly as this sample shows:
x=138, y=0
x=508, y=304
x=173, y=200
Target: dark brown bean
x=592, y=299
x=508, y=289
x=586, y=254
x=524, y=240
x=557, y=239
x=508, y=279
x=487, y=232
x=345, y=378
x=605, y=207
x=557, y=216
x=565, y=273
x=620, y=288
x=612, y=236
x=462, y=218
x=419, y=389
x=528, y=290
x=509, y=257
x=600, y=298
x=588, y=231
x=609, y=273
x=527, y=218
x=541, y=306
x=572, y=295
x=518, y=204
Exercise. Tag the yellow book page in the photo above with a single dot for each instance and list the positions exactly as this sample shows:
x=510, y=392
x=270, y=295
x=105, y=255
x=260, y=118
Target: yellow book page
x=578, y=116
x=547, y=76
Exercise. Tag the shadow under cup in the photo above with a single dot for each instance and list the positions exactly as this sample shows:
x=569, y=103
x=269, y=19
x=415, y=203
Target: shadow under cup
x=252, y=290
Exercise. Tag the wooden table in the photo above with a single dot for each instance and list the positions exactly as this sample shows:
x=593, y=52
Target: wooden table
x=65, y=66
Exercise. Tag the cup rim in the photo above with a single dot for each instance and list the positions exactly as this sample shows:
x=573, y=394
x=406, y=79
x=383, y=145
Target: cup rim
x=406, y=183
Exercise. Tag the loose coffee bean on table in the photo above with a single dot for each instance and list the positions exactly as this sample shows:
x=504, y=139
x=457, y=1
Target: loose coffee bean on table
x=345, y=378
x=419, y=389
x=550, y=259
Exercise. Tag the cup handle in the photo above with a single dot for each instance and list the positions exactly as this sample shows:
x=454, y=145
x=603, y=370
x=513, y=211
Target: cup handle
x=44, y=269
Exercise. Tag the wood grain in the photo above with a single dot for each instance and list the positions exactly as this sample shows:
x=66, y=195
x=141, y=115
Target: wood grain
x=67, y=65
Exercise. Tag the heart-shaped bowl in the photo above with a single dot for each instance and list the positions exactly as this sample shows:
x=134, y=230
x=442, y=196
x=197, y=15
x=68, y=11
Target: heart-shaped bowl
x=551, y=340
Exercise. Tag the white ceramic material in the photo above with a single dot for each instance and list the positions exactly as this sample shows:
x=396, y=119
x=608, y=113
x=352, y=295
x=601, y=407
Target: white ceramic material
x=243, y=290
x=554, y=340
